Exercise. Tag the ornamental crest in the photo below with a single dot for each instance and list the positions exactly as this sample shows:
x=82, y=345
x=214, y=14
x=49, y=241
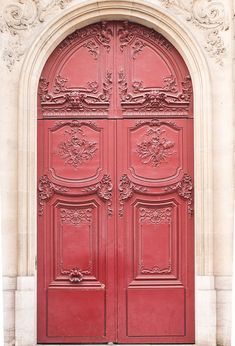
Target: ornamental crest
x=156, y=148
x=76, y=149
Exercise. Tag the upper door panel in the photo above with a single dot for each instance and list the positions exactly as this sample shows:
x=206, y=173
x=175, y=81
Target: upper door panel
x=115, y=70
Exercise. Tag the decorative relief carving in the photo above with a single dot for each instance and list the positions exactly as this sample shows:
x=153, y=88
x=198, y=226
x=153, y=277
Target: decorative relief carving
x=160, y=100
x=156, y=123
x=129, y=32
x=137, y=48
x=155, y=215
x=156, y=148
x=75, y=275
x=208, y=15
x=71, y=101
x=155, y=270
x=76, y=149
x=126, y=190
x=184, y=188
x=75, y=123
x=75, y=216
x=104, y=191
x=92, y=48
x=18, y=19
x=46, y=190
x=101, y=32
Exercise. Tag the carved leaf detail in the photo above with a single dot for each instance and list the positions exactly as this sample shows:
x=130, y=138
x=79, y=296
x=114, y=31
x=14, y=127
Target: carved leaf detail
x=46, y=190
x=155, y=270
x=156, y=148
x=76, y=149
x=184, y=188
x=126, y=190
x=104, y=191
x=92, y=48
x=76, y=274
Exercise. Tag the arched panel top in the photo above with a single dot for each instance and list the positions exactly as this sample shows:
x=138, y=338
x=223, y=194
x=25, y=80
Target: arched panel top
x=115, y=70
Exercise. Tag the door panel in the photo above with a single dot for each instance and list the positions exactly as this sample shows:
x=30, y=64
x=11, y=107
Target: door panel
x=155, y=232
x=76, y=293
x=115, y=189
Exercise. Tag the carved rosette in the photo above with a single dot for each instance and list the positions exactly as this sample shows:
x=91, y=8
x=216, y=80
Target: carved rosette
x=155, y=101
x=75, y=275
x=126, y=190
x=46, y=190
x=104, y=190
x=184, y=188
x=76, y=149
x=73, y=101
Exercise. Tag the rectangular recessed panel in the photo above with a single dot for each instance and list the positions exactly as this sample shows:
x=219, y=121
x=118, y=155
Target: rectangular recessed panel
x=76, y=312
x=156, y=312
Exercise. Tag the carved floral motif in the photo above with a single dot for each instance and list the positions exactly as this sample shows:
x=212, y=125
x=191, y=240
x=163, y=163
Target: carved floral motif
x=104, y=190
x=75, y=216
x=18, y=19
x=75, y=100
x=208, y=15
x=155, y=270
x=159, y=100
x=92, y=48
x=76, y=149
x=155, y=215
x=129, y=32
x=156, y=148
x=46, y=190
x=126, y=190
x=184, y=188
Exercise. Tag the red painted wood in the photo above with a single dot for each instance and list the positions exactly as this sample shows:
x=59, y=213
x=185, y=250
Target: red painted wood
x=115, y=190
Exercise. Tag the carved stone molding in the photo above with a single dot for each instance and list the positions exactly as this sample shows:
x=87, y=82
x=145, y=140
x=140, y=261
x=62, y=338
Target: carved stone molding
x=126, y=190
x=46, y=190
x=184, y=188
x=18, y=19
x=208, y=15
x=104, y=191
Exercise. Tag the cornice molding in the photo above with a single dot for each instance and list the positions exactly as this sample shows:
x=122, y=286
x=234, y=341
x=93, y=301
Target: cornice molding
x=207, y=15
x=17, y=21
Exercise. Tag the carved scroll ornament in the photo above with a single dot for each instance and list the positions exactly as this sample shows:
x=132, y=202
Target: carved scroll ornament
x=155, y=101
x=126, y=190
x=208, y=15
x=184, y=188
x=67, y=102
x=104, y=191
x=46, y=190
x=75, y=275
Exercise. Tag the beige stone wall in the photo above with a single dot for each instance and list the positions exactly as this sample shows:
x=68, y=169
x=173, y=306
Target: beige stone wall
x=203, y=31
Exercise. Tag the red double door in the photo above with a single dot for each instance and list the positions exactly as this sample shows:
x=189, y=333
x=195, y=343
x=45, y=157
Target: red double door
x=115, y=190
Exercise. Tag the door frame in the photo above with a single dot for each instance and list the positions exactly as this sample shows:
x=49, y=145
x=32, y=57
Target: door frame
x=55, y=31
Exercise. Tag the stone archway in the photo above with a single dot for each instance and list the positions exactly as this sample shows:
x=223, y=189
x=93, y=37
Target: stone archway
x=77, y=17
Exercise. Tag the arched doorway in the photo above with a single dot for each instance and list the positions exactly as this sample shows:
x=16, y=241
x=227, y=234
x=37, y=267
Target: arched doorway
x=115, y=172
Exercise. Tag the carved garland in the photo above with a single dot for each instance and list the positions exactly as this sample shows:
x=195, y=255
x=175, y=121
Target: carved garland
x=104, y=191
x=160, y=100
x=75, y=216
x=184, y=188
x=73, y=101
x=126, y=189
x=75, y=275
x=46, y=190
